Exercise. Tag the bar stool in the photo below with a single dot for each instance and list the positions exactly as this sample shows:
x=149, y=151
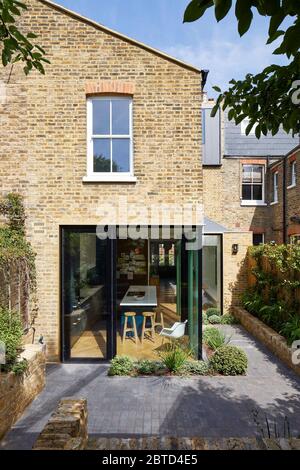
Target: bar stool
x=128, y=329
x=145, y=329
x=161, y=323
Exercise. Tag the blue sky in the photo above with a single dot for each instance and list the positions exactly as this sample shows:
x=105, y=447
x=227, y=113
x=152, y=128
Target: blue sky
x=205, y=43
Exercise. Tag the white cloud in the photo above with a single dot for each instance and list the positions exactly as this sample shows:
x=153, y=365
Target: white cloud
x=226, y=59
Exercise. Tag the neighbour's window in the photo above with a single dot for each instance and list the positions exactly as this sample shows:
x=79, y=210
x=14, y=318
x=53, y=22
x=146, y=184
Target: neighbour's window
x=293, y=173
x=110, y=135
x=258, y=239
x=275, y=186
x=253, y=183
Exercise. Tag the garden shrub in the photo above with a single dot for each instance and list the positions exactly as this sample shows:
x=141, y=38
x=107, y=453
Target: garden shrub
x=174, y=357
x=291, y=329
x=229, y=360
x=204, y=318
x=19, y=368
x=121, y=365
x=146, y=367
x=196, y=368
x=213, y=311
x=214, y=338
x=229, y=320
x=215, y=320
x=11, y=332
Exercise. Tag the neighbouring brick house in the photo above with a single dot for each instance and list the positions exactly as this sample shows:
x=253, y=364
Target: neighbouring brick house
x=237, y=177
x=114, y=119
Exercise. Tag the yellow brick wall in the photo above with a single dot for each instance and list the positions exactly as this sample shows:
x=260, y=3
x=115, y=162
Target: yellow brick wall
x=234, y=267
x=43, y=137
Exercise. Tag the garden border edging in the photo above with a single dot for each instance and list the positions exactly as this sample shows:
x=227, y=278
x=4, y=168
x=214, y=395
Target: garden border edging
x=272, y=340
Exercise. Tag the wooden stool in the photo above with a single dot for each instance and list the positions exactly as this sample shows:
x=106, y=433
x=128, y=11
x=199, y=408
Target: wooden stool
x=128, y=329
x=161, y=322
x=145, y=329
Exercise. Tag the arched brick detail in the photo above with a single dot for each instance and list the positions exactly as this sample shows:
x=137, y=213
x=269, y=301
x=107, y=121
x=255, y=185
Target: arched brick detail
x=110, y=87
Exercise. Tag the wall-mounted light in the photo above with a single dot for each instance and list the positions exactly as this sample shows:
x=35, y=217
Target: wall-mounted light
x=235, y=249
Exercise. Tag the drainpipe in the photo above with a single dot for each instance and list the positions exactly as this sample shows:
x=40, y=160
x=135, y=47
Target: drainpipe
x=284, y=202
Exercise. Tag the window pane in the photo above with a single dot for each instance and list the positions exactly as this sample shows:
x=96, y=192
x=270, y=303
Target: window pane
x=258, y=238
x=120, y=117
x=101, y=117
x=102, y=155
x=257, y=192
x=257, y=174
x=121, y=155
x=247, y=174
x=246, y=193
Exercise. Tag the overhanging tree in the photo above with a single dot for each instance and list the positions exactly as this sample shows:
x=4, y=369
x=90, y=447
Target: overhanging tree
x=270, y=98
x=16, y=45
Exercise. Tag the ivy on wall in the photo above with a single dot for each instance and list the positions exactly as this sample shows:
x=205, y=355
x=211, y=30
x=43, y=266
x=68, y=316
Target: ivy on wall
x=17, y=258
x=274, y=288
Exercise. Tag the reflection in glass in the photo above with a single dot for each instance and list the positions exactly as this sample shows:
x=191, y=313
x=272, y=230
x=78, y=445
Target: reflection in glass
x=121, y=155
x=120, y=117
x=101, y=117
x=85, y=295
x=101, y=155
x=211, y=271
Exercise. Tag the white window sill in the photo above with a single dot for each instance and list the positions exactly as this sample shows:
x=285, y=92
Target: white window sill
x=291, y=186
x=273, y=203
x=109, y=179
x=253, y=203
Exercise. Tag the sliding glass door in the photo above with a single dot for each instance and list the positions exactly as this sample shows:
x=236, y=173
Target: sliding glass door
x=87, y=294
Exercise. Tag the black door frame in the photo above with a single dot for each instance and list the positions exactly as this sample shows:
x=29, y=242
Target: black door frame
x=112, y=303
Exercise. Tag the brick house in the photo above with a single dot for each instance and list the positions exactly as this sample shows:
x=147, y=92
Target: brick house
x=238, y=181
x=117, y=123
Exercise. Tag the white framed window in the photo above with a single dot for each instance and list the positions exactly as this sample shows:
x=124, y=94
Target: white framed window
x=109, y=139
x=275, y=187
x=293, y=174
x=244, y=124
x=253, y=182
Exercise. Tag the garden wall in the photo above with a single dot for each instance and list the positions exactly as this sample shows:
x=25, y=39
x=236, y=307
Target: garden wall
x=18, y=391
x=272, y=340
x=67, y=428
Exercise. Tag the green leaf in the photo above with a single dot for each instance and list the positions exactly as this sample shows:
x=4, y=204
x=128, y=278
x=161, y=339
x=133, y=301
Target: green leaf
x=275, y=22
x=31, y=36
x=222, y=7
x=217, y=89
x=275, y=36
x=244, y=15
x=194, y=11
x=258, y=131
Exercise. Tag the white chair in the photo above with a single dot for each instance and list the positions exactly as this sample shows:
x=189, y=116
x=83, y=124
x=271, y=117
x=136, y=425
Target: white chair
x=177, y=331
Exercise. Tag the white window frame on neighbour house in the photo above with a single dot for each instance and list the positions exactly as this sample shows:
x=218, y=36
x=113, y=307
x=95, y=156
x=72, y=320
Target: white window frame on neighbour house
x=110, y=176
x=275, y=187
x=254, y=202
x=293, y=175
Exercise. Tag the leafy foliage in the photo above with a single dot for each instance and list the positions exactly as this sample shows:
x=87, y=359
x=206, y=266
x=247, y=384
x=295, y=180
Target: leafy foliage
x=215, y=320
x=11, y=331
x=213, y=311
x=215, y=338
x=229, y=360
x=146, y=367
x=196, y=368
x=265, y=98
x=291, y=329
x=20, y=367
x=121, y=365
x=16, y=45
x=174, y=357
x=229, y=320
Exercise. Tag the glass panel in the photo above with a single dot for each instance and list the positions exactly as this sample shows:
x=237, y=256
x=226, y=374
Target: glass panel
x=101, y=155
x=120, y=117
x=211, y=293
x=193, y=302
x=121, y=155
x=257, y=192
x=247, y=174
x=258, y=238
x=246, y=192
x=85, y=288
x=101, y=117
x=257, y=174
